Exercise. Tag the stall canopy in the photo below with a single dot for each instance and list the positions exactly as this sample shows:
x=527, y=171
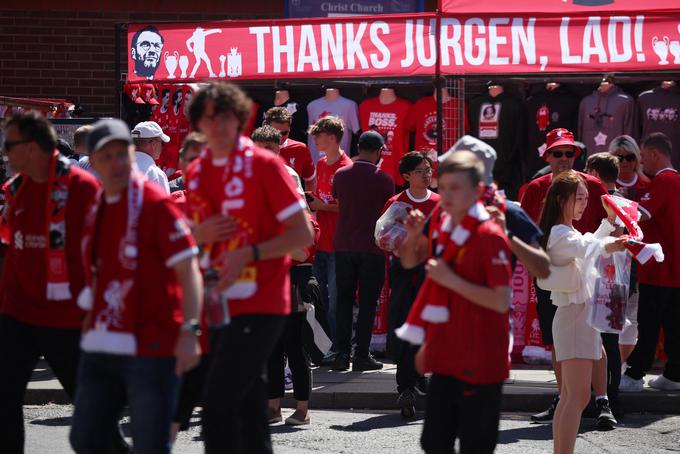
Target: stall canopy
x=466, y=43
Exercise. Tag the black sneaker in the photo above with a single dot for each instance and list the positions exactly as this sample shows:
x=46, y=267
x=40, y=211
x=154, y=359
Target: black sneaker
x=341, y=362
x=407, y=404
x=547, y=415
x=605, y=417
x=368, y=362
x=421, y=386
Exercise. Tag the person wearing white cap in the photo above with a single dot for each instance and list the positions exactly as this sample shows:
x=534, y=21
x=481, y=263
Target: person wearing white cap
x=149, y=139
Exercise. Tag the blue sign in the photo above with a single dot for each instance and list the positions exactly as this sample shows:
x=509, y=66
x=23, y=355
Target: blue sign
x=337, y=8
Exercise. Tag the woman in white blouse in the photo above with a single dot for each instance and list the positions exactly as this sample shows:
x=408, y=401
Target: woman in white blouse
x=576, y=343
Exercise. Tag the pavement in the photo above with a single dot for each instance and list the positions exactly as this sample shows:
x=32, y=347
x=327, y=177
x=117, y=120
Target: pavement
x=530, y=388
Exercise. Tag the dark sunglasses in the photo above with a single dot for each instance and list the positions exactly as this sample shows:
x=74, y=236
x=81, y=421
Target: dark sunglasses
x=559, y=154
x=7, y=146
x=628, y=157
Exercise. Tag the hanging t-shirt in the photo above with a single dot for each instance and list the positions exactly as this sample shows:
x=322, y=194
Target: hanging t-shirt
x=499, y=122
x=297, y=155
x=602, y=116
x=547, y=110
x=345, y=109
x=164, y=241
x=328, y=220
x=298, y=112
x=659, y=111
x=390, y=120
x=24, y=277
x=423, y=121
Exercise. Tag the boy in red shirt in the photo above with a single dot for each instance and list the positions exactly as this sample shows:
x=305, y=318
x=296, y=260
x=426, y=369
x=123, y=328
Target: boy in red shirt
x=143, y=298
x=42, y=225
x=250, y=185
x=468, y=293
x=327, y=133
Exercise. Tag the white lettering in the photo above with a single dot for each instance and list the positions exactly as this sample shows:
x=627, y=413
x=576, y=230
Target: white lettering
x=452, y=42
x=307, y=53
x=523, y=39
x=614, y=55
x=592, y=34
x=377, y=42
x=495, y=41
x=408, y=45
x=259, y=32
x=354, y=46
x=420, y=45
x=280, y=49
x=331, y=43
x=478, y=42
x=567, y=58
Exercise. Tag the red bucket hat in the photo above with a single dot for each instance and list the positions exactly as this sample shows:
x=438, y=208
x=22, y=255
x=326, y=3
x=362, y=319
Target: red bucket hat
x=558, y=137
x=133, y=91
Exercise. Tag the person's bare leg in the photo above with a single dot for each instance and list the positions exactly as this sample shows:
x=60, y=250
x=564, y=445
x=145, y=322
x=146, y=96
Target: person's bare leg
x=576, y=378
x=559, y=410
x=274, y=408
x=599, y=379
x=302, y=410
x=557, y=367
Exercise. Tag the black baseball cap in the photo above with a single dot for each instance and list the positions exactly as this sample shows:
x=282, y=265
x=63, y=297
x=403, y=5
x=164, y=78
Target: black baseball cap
x=371, y=140
x=105, y=131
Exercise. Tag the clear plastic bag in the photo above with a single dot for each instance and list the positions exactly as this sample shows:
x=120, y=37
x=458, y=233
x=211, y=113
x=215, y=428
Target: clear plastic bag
x=390, y=232
x=216, y=307
x=610, y=296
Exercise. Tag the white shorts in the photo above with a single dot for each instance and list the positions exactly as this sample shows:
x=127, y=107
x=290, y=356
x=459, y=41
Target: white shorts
x=573, y=337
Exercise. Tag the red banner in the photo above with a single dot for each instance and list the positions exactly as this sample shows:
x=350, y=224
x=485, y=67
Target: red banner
x=560, y=7
x=400, y=46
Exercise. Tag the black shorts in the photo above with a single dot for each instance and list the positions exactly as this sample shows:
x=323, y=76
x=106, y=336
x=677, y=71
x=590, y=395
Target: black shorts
x=546, y=313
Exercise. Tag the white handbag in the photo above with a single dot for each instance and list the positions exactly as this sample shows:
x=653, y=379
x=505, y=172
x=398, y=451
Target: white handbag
x=564, y=279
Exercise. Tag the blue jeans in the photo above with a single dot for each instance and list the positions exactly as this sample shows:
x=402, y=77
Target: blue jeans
x=324, y=271
x=106, y=383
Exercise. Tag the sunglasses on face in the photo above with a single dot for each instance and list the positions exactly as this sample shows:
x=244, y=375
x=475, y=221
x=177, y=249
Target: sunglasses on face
x=626, y=157
x=7, y=146
x=559, y=154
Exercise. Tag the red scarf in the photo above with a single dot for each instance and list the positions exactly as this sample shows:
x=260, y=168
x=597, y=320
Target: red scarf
x=111, y=328
x=432, y=305
x=58, y=181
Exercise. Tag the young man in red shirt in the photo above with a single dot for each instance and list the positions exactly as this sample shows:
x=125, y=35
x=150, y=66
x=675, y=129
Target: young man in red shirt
x=659, y=281
x=327, y=133
x=43, y=271
x=295, y=154
x=467, y=351
x=250, y=185
x=137, y=338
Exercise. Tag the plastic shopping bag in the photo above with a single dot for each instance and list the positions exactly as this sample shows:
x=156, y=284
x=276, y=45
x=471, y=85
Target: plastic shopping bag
x=216, y=307
x=390, y=232
x=610, y=297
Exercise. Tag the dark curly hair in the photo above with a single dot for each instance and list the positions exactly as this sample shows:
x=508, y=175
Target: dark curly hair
x=225, y=97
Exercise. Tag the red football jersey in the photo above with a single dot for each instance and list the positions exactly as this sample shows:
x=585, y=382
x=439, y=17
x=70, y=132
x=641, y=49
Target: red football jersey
x=663, y=206
x=263, y=197
x=635, y=189
x=23, y=292
x=328, y=220
x=473, y=345
x=536, y=191
x=297, y=155
x=423, y=121
x=391, y=121
x=425, y=205
x=164, y=240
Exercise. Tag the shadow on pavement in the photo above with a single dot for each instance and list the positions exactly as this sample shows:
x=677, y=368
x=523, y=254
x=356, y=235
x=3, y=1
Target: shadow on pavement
x=386, y=421
x=534, y=432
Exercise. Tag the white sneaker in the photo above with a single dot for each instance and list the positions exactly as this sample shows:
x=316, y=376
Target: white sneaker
x=624, y=368
x=664, y=383
x=630, y=385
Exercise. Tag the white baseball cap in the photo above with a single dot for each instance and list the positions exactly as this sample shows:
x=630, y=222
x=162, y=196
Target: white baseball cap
x=149, y=130
x=482, y=150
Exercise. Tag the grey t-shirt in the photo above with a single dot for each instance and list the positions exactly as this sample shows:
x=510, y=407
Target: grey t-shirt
x=341, y=107
x=604, y=116
x=659, y=111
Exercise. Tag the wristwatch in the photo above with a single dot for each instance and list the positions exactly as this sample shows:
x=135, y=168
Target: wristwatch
x=193, y=326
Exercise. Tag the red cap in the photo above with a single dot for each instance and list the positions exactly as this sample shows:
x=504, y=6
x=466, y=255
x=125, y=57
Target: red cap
x=149, y=94
x=558, y=137
x=132, y=91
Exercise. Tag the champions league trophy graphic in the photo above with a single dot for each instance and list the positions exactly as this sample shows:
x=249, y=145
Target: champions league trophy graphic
x=171, y=63
x=660, y=47
x=223, y=59
x=234, y=66
x=674, y=47
x=184, y=65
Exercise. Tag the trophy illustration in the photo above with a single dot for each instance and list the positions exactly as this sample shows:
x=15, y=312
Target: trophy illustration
x=171, y=63
x=660, y=47
x=184, y=65
x=223, y=58
x=674, y=47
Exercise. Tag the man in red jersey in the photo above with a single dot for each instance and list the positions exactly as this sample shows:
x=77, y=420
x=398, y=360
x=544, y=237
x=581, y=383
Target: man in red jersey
x=560, y=153
x=137, y=338
x=296, y=154
x=43, y=271
x=250, y=185
x=659, y=281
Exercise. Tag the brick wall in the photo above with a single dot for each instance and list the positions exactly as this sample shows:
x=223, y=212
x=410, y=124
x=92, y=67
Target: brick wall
x=71, y=54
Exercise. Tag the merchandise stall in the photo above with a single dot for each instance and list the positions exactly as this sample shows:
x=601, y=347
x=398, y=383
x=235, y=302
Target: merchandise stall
x=503, y=72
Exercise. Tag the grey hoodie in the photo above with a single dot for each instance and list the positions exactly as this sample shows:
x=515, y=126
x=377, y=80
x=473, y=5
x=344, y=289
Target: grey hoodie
x=604, y=116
